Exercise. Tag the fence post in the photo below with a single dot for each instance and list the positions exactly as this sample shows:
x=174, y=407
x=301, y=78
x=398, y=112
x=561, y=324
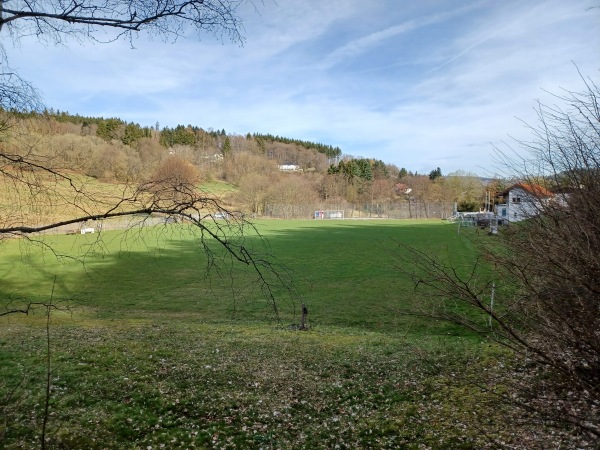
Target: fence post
x=303, y=319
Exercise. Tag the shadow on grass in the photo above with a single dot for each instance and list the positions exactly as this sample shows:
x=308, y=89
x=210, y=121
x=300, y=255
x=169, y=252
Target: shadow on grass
x=343, y=271
x=161, y=362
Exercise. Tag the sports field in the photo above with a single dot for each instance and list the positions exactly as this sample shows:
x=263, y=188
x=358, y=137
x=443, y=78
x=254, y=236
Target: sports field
x=344, y=271
x=153, y=352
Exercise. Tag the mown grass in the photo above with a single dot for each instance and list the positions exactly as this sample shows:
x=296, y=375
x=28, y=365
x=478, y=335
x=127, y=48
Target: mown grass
x=154, y=354
x=217, y=187
x=343, y=271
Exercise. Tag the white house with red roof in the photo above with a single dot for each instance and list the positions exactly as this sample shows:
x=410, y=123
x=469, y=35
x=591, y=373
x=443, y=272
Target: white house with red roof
x=522, y=202
x=401, y=188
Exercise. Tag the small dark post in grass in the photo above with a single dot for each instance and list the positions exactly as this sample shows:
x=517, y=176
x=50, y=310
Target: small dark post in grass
x=304, y=314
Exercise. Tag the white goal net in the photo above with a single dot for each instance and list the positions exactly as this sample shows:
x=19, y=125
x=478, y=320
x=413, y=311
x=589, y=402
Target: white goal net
x=329, y=214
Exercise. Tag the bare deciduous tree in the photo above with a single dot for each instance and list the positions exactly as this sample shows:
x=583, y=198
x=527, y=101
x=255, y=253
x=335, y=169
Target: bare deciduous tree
x=43, y=196
x=238, y=165
x=254, y=191
x=464, y=188
x=57, y=22
x=173, y=180
x=536, y=291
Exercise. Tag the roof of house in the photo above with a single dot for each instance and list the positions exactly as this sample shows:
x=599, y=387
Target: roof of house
x=401, y=187
x=533, y=189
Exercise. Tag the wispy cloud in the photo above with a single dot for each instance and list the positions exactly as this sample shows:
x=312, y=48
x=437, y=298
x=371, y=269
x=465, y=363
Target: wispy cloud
x=364, y=43
x=435, y=89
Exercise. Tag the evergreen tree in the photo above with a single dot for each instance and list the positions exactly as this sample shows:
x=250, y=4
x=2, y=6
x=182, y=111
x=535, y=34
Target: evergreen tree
x=108, y=129
x=226, y=147
x=332, y=170
x=380, y=170
x=437, y=173
x=133, y=132
x=365, y=171
x=179, y=135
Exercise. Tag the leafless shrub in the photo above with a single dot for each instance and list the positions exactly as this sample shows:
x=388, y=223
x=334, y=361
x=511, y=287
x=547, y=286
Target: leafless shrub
x=536, y=291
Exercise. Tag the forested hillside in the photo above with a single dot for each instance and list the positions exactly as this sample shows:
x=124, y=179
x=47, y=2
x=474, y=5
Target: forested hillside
x=318, y=176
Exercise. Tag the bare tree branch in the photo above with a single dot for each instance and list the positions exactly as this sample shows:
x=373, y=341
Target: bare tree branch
x=545, y=270
x=56, y=22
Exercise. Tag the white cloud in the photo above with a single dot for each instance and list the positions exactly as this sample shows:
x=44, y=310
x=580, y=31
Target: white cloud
x=364, y=43
x=439, y=98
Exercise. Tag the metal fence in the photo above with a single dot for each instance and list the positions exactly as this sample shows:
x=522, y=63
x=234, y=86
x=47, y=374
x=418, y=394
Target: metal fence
x=391, y=210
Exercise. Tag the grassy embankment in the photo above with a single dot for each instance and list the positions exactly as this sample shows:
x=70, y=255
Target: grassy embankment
x=154, y=353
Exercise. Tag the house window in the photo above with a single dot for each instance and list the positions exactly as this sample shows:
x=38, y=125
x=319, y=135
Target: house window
x=516, y=199
x=503, y=212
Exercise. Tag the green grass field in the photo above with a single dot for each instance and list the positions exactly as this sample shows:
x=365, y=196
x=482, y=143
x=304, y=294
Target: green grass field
x=343, y=271
x=156, y=354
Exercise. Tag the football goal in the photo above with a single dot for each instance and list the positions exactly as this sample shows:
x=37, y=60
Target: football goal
x=330, y=214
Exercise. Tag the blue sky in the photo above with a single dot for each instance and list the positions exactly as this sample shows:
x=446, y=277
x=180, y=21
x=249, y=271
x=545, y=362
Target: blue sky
x=417, y=83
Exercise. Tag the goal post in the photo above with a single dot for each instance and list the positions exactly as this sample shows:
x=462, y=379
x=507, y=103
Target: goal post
x=329, y=214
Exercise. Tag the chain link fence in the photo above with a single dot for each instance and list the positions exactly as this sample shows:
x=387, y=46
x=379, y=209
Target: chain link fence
x=390, y=210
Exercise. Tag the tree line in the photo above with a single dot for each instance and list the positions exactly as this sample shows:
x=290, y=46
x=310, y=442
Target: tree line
x=328, y=150
x=111, y=149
